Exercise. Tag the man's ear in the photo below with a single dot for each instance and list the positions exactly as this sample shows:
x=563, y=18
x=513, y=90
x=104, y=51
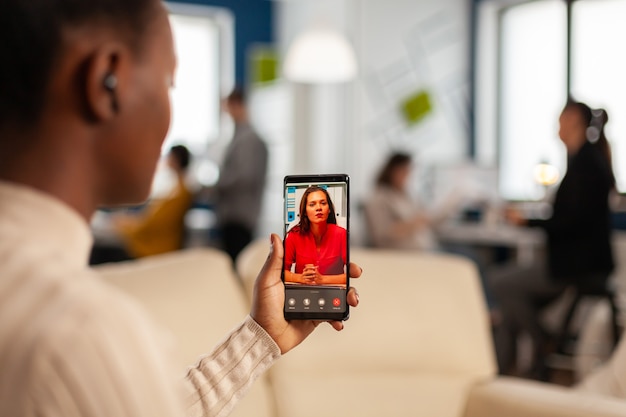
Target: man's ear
x=105, y=76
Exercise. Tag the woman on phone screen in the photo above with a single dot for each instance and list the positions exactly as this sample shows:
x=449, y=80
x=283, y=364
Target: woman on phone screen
x=316, y=248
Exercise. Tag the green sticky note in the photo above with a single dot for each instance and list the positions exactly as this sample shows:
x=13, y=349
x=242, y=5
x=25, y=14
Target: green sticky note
x=416, y=107
x=263, y=65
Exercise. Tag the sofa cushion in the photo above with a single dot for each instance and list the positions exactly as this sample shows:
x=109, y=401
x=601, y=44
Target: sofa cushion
x=249, y=263
x=420, y=313
x=371, y=394
x=514, y=397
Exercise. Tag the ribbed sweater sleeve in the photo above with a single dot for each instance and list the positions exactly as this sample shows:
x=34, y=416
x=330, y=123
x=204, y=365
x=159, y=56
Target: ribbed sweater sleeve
x=221, y=378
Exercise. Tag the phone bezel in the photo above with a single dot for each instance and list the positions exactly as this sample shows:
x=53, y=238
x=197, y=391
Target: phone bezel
x=319, y=178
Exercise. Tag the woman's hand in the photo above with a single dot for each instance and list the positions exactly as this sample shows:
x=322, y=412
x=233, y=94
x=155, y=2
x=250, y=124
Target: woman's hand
x=307, y=277
x=310, y=275
x=515, y=217
x=269, y=298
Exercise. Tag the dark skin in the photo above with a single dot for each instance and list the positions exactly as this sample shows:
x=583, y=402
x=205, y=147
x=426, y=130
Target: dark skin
x=95, y=146
x=82, y=148
x=269, y=293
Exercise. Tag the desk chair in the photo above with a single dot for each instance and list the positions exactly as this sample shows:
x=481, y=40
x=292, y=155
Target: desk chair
x=566, y=338
x=606, y=291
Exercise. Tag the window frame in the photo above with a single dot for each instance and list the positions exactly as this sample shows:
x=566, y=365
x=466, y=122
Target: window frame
x=223, y=20
x=486, y=78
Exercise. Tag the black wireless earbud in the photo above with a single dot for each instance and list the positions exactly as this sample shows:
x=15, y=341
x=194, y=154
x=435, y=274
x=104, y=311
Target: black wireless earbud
x=110, y=82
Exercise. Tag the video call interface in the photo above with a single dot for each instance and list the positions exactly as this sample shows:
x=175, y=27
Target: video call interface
x=316, y=247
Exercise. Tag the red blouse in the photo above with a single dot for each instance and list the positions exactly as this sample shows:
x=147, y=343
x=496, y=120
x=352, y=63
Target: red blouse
x=330, y=258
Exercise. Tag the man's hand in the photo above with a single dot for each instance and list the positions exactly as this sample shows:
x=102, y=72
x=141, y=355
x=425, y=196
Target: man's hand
x=269, y=298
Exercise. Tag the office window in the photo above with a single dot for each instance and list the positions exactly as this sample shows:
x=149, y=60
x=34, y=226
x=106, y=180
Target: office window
x=203, y=39
x=533, y=60
x=526, y=64
x=599, y=68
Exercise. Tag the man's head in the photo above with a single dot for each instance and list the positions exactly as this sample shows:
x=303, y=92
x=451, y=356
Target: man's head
x=87, y=75
x=179, y=158
x=235, y=105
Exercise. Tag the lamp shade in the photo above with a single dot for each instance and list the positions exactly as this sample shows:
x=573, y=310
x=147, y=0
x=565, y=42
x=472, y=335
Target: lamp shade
x=320, y=56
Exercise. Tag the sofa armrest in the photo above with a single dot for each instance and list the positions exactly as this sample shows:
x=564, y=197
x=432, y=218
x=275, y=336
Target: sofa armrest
x=513, y=397
x=195, y=295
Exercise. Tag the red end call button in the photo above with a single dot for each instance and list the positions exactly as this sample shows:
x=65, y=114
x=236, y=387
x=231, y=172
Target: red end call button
x=336, y=302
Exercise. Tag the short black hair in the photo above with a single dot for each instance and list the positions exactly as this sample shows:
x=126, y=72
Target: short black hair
x=238, y=95
x=31, y=42
x=182, y=155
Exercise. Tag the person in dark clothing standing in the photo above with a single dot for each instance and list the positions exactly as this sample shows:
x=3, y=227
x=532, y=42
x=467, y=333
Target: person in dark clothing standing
x=578, y=237
x=239, y=190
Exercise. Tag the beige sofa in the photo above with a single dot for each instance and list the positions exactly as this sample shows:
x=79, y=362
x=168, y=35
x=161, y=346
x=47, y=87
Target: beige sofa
x=418, y=345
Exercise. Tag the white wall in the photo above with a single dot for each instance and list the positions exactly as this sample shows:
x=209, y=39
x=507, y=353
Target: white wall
x=405, y=46
x=402, y=46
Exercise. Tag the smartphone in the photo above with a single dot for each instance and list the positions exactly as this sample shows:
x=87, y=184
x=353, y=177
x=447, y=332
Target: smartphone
x=316, y=242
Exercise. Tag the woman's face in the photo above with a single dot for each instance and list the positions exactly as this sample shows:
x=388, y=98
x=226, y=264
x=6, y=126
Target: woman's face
x=572, y=129
x=143, y=118
x=317, y=207
x=400, y=176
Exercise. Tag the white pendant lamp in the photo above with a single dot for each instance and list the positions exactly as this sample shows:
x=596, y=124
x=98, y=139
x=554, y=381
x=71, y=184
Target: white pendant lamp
x=318, y=56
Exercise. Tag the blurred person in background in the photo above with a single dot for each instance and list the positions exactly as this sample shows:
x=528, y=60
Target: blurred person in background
x=160, y=226
x=239, y=189
x=84, y=110
x=394, y=219
x=156, y=228
x=578, y=232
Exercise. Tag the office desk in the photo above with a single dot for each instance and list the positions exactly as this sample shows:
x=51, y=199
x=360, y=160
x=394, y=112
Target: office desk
x=525, y=241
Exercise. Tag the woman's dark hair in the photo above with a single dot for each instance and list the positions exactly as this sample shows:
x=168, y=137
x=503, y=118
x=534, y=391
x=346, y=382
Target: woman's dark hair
x=182, y=155
x=595, y=120
x=305, y=225
x=395, y=161
x=32, y=34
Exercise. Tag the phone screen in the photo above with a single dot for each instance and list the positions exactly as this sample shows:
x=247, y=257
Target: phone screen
x=316, y=242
